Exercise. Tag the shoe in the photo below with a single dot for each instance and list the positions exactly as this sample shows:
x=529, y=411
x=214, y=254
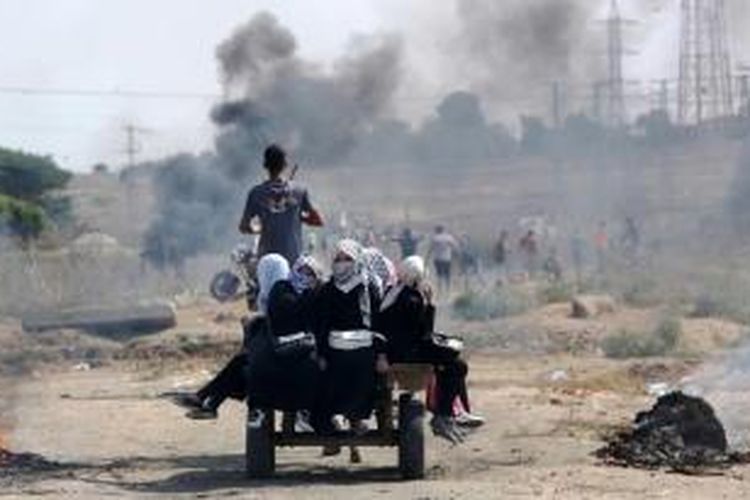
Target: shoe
x=302, y=422
x=359, y=427
x=331, y=450
x=187, y=400
x=445, y=428
x=202, y=413
x=288, y=423
x=469, y=420
x=255, y=419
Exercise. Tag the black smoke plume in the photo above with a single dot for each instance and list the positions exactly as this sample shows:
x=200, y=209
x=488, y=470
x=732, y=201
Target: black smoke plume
x=271, y=95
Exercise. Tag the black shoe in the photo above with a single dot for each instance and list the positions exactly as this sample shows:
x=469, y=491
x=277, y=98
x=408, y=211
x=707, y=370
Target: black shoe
x=354, y=456
x=331, y=450
x=202, y=414
x=188, y=400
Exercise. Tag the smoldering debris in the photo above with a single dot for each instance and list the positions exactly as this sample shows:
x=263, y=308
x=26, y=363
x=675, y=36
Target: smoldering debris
x=14, y=465
x=680, y=432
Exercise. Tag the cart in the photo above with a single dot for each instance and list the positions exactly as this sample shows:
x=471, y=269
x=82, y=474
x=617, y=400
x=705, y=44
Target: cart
x=400, y=424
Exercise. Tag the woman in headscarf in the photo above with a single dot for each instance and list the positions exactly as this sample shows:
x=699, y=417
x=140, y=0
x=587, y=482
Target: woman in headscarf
x=348, y=347
x=285, y=304
x=380, y=268
x=277, y=379
x=407, y=318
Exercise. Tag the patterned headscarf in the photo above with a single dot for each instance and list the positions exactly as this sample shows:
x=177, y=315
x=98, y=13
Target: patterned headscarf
x=348, y=277
x=272, y=268
x=302, y=280
x=379, y=268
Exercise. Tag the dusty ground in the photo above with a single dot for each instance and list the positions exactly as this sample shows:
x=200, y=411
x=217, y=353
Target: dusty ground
x=100, y=419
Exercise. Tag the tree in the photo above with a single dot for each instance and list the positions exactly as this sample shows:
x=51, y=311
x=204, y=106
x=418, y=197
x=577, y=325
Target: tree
x=25, y=203
x=19, y=218
x=27, y=176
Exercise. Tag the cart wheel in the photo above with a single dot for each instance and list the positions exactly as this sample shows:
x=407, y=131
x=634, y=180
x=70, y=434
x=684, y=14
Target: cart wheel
x=260, y=451
x=410, y=437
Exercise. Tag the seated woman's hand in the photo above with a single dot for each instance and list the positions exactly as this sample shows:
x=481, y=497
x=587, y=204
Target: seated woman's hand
x=381, y=364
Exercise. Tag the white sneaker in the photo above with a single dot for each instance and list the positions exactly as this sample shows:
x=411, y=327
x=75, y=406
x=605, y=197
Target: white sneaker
x=466, y=419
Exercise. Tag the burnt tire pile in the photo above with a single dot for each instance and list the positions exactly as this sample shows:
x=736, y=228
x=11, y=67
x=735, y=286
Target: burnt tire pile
x=680, y=432
x=12, y=464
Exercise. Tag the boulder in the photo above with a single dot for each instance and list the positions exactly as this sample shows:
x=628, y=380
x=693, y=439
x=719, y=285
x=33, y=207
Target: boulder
x=592, y=306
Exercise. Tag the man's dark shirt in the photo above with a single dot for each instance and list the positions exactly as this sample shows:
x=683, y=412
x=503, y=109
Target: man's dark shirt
x=279, y=206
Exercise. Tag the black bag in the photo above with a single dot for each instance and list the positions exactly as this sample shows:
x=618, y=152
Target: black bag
x=296, y=345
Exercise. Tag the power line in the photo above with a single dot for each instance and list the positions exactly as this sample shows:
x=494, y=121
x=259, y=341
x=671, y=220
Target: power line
x=130, y=94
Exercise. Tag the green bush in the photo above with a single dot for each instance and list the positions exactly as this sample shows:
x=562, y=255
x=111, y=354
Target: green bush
x=556, y=293
x=498, y=303
x=641, y=291
x=731, y=302
x=660, y=342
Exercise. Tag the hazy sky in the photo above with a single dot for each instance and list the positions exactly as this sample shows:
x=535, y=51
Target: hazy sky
x=168, y=46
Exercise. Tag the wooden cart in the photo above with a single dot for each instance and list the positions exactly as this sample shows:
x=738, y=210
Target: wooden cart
x=404, y=429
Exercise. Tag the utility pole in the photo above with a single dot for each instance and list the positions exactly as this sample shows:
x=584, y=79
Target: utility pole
x=705, y=80
x=744, y=85
x=132, y=146
x=597, y=94
x=558, y=104
x=663, y=104
x=615, y=53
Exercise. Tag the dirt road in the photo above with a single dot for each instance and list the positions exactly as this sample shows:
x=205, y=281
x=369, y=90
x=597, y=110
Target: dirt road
x=113, y=437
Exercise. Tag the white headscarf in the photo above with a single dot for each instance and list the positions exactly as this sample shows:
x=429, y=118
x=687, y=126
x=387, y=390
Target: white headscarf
x=411, y=273
x=272, y=268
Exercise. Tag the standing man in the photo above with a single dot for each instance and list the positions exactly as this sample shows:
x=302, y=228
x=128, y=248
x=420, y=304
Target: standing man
x=281, y=209
x=601, y=243
x=408, y=243
x=441, y=250
x=530, y=250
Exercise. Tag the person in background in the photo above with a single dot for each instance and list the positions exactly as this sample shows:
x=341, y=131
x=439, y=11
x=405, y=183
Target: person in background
x=578, y=255
x=529, y=247
x=281, y=208
x=408, y=243
x=442, y=247
x=469, y=260
x=500, y=252
x=601, y=244
x=552, y=266
x=630, y=240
